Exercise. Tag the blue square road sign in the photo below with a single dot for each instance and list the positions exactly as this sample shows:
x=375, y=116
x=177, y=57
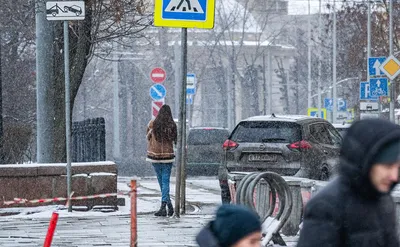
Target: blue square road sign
x=378, y=87
x=374, y=64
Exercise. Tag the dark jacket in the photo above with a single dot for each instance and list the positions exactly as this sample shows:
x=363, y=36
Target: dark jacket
x=349, y=211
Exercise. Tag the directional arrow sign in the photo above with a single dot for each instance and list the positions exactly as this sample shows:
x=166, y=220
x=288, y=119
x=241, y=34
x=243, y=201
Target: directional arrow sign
x=377, y=66
x=374, y=64
x=157, y=92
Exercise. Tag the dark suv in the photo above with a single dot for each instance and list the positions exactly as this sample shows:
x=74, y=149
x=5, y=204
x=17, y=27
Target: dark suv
x=204, y=153
x=289, y=145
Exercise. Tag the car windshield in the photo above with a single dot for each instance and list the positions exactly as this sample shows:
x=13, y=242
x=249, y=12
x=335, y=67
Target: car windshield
x=207, y=136
x=271, y=131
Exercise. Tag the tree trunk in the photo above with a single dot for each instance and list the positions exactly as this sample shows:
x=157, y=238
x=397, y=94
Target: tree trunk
x=79, y=43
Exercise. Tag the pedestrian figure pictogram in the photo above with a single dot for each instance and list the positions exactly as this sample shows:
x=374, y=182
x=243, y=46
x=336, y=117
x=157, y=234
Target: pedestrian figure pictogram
x=184, y=6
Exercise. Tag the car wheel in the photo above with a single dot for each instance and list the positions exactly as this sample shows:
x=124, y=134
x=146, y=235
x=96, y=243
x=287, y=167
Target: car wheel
x=324, y=174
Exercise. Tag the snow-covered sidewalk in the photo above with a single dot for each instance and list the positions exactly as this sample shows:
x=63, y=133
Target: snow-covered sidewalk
x=199, y=191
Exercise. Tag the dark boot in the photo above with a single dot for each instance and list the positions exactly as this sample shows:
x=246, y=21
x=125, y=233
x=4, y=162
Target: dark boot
x=170, y=209
x=162, y=211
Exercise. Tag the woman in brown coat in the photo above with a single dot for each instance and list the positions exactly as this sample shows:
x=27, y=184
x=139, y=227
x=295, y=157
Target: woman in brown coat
x=161, y=136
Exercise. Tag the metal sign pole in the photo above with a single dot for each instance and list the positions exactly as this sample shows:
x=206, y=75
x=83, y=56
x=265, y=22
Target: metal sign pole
x=180, y=167
x=334, y=91
x=183, y=107
x=319, y=60
x=392, y=87
x=65, y=11
x=67, y=113
x=309, y=101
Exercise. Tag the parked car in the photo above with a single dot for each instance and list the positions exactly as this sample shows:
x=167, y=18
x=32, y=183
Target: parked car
x=288, y=145
x=204, y=153
x=342, y=128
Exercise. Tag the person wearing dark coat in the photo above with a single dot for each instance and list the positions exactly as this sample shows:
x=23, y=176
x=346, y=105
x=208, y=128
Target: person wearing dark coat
x=356, y=208
x=233, y=226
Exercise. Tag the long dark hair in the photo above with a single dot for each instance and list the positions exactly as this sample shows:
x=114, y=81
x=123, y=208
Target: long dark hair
x=164, y=127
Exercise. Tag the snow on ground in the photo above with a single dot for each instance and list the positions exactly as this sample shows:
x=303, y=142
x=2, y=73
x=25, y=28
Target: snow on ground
x=144, y=206
x=205, y=182
x=198, y=195
x=148, y=200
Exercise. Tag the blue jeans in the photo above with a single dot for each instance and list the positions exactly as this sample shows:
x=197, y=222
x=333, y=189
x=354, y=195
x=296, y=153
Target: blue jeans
x=163, y=171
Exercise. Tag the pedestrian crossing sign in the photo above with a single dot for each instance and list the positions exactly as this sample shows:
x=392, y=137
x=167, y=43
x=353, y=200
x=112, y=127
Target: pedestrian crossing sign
x=184, y=13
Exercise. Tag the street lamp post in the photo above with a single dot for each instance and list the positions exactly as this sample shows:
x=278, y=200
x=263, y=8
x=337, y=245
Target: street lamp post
x=328, y=89
x=334, y=110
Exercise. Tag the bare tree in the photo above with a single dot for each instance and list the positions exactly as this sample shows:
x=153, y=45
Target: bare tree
x=241, y=40
x=105, y=22
x=17, y=94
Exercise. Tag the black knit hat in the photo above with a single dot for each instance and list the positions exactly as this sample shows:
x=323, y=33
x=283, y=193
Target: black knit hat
x=234, y=222
x=388, y=154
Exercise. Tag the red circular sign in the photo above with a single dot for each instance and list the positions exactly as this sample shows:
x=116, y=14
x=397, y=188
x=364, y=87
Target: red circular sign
x=158, y=75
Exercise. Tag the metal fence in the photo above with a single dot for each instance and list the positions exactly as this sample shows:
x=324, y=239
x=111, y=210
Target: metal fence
x=89, y=140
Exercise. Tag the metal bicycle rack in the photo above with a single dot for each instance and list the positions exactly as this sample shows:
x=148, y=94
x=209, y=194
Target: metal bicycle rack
x=278, y=188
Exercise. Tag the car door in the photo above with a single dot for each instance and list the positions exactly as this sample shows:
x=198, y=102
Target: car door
x=335, y=142
x=321, y=148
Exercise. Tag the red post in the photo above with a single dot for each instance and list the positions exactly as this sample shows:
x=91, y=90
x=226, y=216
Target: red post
x=133, y=214
x=51, y=230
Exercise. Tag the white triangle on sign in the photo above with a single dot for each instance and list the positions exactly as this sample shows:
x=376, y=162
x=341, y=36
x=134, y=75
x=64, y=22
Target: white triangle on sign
x=184, y=6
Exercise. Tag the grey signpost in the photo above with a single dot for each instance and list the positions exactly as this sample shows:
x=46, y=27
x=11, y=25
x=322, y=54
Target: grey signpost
x=65, y=11
x=183, y=14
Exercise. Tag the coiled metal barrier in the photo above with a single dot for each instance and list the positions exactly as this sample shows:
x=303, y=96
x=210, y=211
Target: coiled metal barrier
x=278, y=189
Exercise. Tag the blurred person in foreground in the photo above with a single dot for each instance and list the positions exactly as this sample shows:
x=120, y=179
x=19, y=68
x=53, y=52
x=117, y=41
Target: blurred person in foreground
x=233, y=226
x=356, y=209
x=161, y=136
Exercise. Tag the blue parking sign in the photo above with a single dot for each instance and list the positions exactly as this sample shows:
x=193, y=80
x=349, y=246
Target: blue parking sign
x=341, y=105
x=328, y=104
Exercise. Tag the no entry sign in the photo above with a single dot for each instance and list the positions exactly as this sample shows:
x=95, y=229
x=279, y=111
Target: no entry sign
x=158, y=75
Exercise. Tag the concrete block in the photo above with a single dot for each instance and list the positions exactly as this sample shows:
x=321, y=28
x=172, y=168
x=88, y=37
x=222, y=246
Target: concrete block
x=80, y=186
x=59, y=186
x=56, y=170
x=16, y=171
x=8, y=188
x=103, y=184
x=49, y=180
x=93, y=168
